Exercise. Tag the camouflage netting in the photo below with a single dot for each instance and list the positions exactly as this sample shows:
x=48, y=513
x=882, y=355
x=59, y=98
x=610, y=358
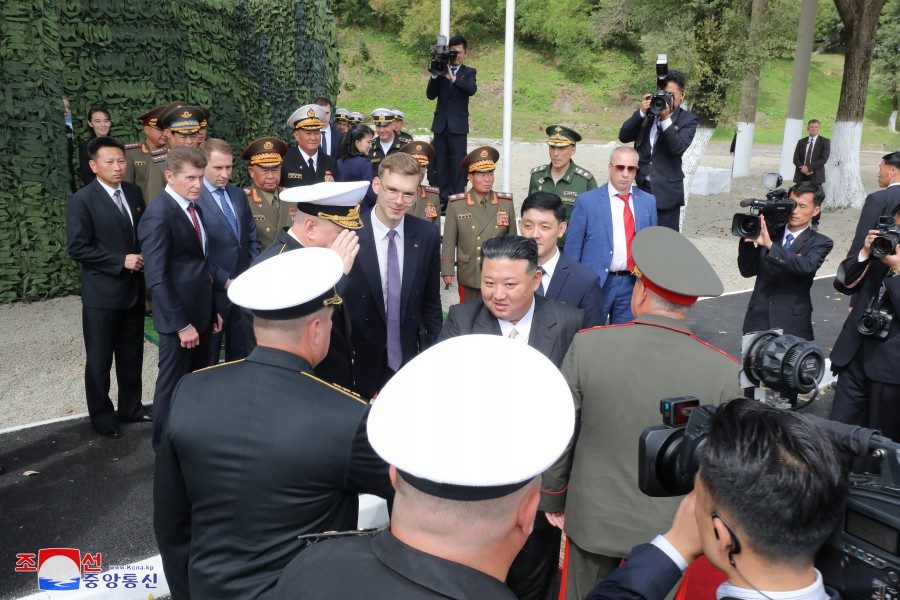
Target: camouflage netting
x=252, y=62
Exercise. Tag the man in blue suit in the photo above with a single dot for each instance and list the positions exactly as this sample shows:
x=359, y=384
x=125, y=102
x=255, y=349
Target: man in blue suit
x=451, y=119
x=601, y=228
x=563, y=279
x=233, y=243
x=393, y=297
x=751, y=450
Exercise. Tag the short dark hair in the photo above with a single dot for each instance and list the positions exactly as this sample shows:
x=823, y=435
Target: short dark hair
x=104, y=141
x=458, y=40
x=180, y=157
x=511, y=247
x=677, y=77
x=811, y=121
x=322, y=101
x=776, y=476
x=809, y=187
x=353, y=135
x=892, y=159
x=545, y=201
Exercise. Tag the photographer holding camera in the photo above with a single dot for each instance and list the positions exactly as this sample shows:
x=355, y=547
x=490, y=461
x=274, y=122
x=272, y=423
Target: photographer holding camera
x=866, y=354
x=451, y=86
x=785, y=263
x=769, y=492
x=661, y=132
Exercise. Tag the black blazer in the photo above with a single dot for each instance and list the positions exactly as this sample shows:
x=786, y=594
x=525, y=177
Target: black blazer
x=335, y=143
x=295, y=172
x=880, y=357
x=877, y=204
x=229, y=256
x=576, y=285
x=820, y=153
x=452, y=110
x=84, y=163
x=663, y=164
x=552, y=328
x=98, y=238
x=175, y=267
x=780, y=296
x=420, y=300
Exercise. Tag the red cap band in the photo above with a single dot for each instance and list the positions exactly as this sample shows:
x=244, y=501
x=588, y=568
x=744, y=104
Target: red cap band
x=668, y=295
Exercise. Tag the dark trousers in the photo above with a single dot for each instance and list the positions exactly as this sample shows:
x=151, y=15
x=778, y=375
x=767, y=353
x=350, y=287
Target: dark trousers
x=112, y=333
x=174, y=363
x=449, y=151
x=534, y=569
x=858, y=400
x=669, y=217
x=232, y=333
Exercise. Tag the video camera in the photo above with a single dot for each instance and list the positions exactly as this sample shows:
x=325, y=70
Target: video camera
x=661, y=99
x=885, y=243
x=777, y=208
x=441, y=56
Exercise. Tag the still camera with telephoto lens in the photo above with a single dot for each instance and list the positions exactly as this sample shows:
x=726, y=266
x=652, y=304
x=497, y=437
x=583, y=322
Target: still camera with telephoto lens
x=776, y=208
x=661, y=100
x=441, y=55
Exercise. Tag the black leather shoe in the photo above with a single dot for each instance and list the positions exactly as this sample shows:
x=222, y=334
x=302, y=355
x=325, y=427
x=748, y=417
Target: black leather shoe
x=112, y=432
x=141, y=419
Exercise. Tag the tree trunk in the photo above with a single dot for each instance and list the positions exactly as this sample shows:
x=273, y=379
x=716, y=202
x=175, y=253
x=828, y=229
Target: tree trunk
x=743, y=148
x=690, y=160
x=892, y=120
x=843, y=184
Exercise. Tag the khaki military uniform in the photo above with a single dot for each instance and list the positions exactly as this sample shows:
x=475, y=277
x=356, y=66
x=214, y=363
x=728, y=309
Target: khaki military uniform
x=270, y=214
x=574, y=182
x=428, y=204
x=146, y=166
x=469, y=221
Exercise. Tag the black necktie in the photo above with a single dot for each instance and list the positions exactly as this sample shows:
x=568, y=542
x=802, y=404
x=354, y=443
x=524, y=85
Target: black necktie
x=312, y=166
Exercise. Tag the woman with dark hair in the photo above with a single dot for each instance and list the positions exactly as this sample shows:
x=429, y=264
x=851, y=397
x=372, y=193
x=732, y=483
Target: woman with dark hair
x=98, y=125
x=354, y=163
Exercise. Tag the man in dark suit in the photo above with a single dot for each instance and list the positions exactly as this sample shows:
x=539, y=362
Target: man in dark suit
x=509, y=306
x=451, y=118
x=562, y=278
x=751, y=450
x=661, y=140
x=811, y=154
x=260, y=451
x=393, y=296
x=233, y=242
x=784, y=265
x=600, y=231
x=332, y=138
x=175, y=244
x=868, y=383
x=101, y=221
x=305, y=163
x=880, y=203
x=327, y=217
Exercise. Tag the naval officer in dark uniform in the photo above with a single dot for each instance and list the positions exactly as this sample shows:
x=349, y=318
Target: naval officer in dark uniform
x=387, y=141
x=304, y=163
x=244, y=468
x=462, y=511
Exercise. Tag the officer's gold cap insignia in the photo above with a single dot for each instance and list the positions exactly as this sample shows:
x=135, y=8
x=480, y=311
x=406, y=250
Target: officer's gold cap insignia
x=310, y=113
x=186, y=115
x=267, y=145
x=484, y=154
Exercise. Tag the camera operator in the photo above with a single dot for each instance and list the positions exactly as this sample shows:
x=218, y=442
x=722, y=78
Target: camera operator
x=660, y=141
x=450, y=125
x=881, y=202
x=769, y=492
x=866, y=354
x=785, y=264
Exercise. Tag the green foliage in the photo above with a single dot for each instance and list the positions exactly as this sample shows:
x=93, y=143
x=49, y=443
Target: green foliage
x=830, y=32
x=252, y=62
x=886, y=61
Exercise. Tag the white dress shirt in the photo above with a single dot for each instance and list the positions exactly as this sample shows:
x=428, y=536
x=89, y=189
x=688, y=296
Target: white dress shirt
x=549, y=267
x=184, y=204
x=112, y=191
x=523, y=327
x=619, y=260
x=380, y=233
x=306, y=158
x=212, y=191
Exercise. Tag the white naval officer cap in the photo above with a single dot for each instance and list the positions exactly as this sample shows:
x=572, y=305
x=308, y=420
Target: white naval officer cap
x=382, y=116
x=272, y=290
x=475, y=437
x=336, y=201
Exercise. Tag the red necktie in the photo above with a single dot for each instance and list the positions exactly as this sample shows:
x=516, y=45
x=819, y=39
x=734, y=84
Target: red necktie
x=197, y=223
x=629, y=228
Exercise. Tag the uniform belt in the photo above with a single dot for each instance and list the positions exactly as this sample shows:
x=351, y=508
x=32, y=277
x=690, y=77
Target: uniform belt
x=620, y=273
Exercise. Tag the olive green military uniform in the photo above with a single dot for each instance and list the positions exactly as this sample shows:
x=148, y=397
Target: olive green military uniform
x=469, y=221
x=270, y=214
x=428, y=205
x=574, y=182
x=146, y=169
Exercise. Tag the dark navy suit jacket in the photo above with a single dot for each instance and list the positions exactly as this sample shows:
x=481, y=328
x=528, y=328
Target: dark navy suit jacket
x=420, y=300
x=452, y=109
x=589, y=238
x=576, y=285
x=335, y=143
x=358, y=168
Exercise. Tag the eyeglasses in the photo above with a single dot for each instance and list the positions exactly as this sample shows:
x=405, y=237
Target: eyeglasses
x=394, y=195
x=629, y=168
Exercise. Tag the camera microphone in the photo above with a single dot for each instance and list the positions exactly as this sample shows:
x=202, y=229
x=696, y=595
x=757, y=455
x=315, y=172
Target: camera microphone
x=746, y=203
